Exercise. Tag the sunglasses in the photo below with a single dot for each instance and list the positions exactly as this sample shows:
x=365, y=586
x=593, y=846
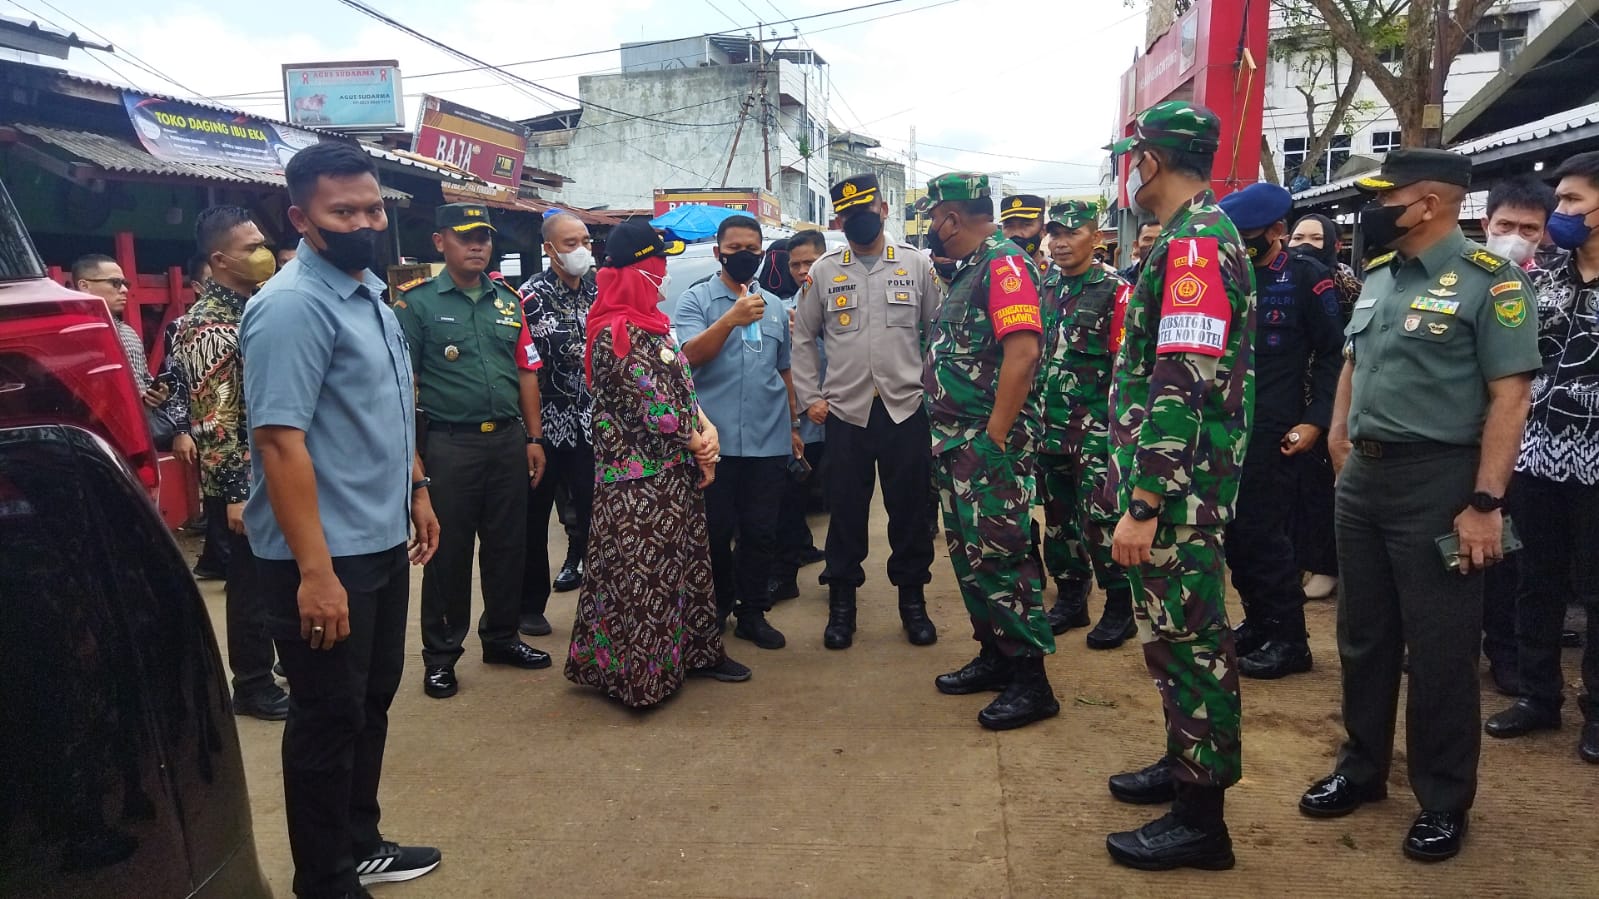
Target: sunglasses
x=118, y=283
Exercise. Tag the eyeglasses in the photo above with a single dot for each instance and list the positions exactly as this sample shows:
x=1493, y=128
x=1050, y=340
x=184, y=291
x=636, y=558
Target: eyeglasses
x=117, y=283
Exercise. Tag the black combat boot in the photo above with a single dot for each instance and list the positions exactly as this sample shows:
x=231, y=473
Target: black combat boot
x=1071, y=605
x=840, y=632
x=1029, y=698
x=1192, y=835
x=989, y=671
x=1116, y=624
x=919, y=628
x=1250, y=635
x=1276, y=659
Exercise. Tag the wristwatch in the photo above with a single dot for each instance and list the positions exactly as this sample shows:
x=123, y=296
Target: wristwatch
x=1486, y=502
x=418, y=485
x=1142, y=511
x=794, y=424
x=538, y=440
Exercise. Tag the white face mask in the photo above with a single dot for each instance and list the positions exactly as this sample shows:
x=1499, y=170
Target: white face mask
x=661, y=286
x=1514, y=247
x=578, y=262
x=1135, y=183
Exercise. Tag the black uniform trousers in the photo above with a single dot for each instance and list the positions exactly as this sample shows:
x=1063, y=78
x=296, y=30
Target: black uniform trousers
x=214, y=553
x=794, y=537
x=1396, y=593
x=1500, y=586
x=1315, y=545
x=249, y=645
x=572, y=469
x=1258, y=549
x=857, y=458
x=338, y=715
x=479, y=493
x=1558, y=522
x=742, y=502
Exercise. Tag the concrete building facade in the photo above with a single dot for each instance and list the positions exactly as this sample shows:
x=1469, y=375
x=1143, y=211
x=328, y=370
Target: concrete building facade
x=849, y=153
x=708, y=111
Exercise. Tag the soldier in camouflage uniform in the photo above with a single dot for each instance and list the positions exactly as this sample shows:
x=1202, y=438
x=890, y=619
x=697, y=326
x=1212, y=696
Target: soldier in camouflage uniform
x=1181, y=406
x=1083, y=308
x=982, y=401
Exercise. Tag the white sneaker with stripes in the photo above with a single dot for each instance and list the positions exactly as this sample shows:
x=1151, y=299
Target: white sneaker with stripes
x=393, y=863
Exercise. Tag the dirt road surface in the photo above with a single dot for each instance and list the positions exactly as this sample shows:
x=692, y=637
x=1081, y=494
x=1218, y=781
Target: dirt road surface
x=847, y=774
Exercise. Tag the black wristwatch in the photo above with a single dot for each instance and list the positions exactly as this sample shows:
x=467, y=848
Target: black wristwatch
x=418, y=485
x=538, y=440
x=1486, y=502
x=1142, y=511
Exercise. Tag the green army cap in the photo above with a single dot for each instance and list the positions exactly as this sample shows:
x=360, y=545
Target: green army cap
x=1175, y=125
x=1073, y=214
x=462, y=217
x=954, y=186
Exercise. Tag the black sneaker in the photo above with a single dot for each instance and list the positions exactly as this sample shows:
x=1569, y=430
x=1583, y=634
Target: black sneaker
x=727, y=671
x=209, y=574
x=755, y=629
x=393, y=863
x=271, y=704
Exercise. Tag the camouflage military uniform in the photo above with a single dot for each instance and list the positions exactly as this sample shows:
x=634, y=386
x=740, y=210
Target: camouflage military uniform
x=987, y=490
x=1079, y=349
x=1181, y=403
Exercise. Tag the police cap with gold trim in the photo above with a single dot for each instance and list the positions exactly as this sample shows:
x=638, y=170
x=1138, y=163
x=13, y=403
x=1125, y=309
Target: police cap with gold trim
x=858, y=190
x=1021, y=207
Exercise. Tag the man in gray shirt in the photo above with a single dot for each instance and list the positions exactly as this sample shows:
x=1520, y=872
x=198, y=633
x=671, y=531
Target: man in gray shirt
x=871, y=301
x=327, y=380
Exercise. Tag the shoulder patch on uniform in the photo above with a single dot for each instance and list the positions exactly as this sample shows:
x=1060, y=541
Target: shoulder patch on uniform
x=1504, y=287
x=1380, y=261
x=1484, y=260
x=414, y=282
x=1195, y=313
x=1511, y=313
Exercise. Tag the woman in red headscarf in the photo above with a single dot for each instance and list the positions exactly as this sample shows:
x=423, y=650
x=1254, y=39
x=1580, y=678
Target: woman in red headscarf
x=646, y=618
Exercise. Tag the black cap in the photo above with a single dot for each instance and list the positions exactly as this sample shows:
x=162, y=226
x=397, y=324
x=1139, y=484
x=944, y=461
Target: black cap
x=461, y=217
x=1412, y=164
x=858, y=190
x=635, y=241
x=1021, y=206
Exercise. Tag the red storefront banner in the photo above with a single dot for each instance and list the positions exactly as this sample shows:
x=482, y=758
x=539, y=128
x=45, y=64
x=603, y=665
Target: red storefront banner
x=489, y=147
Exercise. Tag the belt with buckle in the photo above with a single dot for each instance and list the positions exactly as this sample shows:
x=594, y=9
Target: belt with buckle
x=472, y=427
x=1374, y=449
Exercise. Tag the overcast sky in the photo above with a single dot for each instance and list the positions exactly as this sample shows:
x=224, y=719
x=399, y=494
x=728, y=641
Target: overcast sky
x=978, y=99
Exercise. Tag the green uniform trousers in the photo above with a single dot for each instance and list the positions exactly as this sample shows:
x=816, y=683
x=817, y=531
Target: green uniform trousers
x=1179, y=601
x=987, y=497
x=1076, y=536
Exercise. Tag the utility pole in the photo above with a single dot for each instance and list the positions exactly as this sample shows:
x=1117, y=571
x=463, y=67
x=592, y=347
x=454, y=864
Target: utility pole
x=743, y=112
x=1432, y=115
x=766, y=121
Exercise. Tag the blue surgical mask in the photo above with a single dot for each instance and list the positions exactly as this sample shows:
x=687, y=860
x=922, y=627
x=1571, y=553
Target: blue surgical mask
x=1570, y=230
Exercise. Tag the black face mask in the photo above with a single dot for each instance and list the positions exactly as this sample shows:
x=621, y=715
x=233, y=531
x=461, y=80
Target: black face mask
x=945, y=270
x=1303, y=249
x=1381, y=225
x=863, y=228
x=1259, y=247
x=741, y=266
x=1029, y=245
x=350, y=251
x=935, y=242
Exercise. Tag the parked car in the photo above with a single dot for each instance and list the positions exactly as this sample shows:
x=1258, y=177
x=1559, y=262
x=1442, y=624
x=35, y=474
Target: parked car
x=120, y=772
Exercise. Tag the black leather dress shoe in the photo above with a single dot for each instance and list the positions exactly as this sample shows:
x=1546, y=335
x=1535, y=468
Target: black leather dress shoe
x=1436, y=836
x=570, y=578
x=1146, y=786
x=989, y=671
x=1336, y=795
x=517, y=655
x=1169, y=842
x=1588, y=745
x=1276, y=659
x=534, y=625
x=1523, y=717
x=439, y=682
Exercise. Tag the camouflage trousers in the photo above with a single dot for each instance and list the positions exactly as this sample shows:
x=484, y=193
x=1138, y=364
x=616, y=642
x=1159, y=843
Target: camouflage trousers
x=987, y=498
x=1179, y=602
x=1077, y=531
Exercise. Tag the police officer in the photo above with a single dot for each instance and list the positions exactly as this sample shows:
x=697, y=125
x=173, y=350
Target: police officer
x=983, y=404
x=1431, y=404
x=1298, y=352
x=871, y=301
x=1180, y=408
x=1082, y=307
x=477, y=382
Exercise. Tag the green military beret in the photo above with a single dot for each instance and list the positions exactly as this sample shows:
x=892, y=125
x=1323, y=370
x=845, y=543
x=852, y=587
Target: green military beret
x=1176, y=125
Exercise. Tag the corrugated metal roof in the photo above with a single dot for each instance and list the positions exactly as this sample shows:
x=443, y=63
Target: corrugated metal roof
x=116, y=155
x=1570, y=119
x=412, y=160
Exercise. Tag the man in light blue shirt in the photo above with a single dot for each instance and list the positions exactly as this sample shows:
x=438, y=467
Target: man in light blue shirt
x=745, y=390
x=336, y=489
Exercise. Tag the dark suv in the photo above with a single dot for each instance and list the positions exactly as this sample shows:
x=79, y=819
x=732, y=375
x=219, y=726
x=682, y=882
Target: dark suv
x=120, y=772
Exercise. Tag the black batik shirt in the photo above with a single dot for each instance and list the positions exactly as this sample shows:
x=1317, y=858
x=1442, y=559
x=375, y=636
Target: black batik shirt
x=557, y=317
x=1561, y=442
